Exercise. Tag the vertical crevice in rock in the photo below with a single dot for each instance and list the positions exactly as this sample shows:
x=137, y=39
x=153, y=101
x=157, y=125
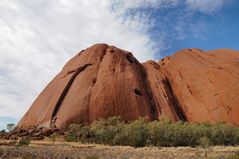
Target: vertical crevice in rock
x=152, y=103
x=172, y=100
x=64, y=93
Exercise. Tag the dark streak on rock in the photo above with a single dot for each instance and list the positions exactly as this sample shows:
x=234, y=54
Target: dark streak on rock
x=149, y=95
x=172, y=100
x=129, y=58
x=64, y=93
x=189, y=89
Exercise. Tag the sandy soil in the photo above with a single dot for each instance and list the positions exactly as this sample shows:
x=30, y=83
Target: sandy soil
x=64, y=150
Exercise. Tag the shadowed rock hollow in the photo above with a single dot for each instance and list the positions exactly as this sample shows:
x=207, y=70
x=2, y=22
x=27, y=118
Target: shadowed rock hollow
x=104, y=81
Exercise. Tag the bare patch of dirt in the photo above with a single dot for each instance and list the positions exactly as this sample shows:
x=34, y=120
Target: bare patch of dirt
x=65, y=150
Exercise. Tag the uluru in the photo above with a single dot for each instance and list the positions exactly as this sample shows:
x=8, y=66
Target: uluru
x=103, y=81
x=119, y=79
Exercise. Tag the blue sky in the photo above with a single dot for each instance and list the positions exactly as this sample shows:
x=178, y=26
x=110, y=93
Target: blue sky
x=6, y=120
x=206, y=29
x=38, y=37
x=222, y=31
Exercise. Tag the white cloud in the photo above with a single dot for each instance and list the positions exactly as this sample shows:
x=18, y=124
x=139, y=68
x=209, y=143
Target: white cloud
x=123, y=5
x=206, y=6
x=38, y=37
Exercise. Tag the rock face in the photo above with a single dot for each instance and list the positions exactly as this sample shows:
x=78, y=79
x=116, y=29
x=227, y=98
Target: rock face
x=104, y=81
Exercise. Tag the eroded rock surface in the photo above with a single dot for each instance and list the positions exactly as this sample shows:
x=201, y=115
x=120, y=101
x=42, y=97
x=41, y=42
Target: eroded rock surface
x=205, y=84
x=104, y=81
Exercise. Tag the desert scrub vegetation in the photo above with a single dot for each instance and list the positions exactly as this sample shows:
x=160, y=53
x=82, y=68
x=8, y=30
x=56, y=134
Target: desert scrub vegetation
x=24, y=141
x=234, y=156
x=92, y=157
x=54, y=137
x=138, y=133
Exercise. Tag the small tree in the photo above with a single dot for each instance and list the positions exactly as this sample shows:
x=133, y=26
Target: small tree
x=3, y=131
x=10, y=126
x=205, y=143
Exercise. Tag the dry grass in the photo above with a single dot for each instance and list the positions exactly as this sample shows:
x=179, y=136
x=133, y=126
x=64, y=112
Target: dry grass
x=63, y=150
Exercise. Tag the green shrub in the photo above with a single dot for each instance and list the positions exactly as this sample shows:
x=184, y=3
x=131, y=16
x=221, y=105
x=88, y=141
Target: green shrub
x=204, y=142
x=135, y=134
x=160, y=133
x=24, y=141
x=114, y=131
x=75, y=128
x=166, y=133
x=234, y=156
x=224, y=134
x=70, y=138
x=54, y=136
x=84, y=134
x=103, y=131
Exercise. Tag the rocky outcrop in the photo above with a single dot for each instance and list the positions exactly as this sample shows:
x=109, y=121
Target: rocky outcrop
x=205, y=84
x=104, y=81
x=31, y=133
